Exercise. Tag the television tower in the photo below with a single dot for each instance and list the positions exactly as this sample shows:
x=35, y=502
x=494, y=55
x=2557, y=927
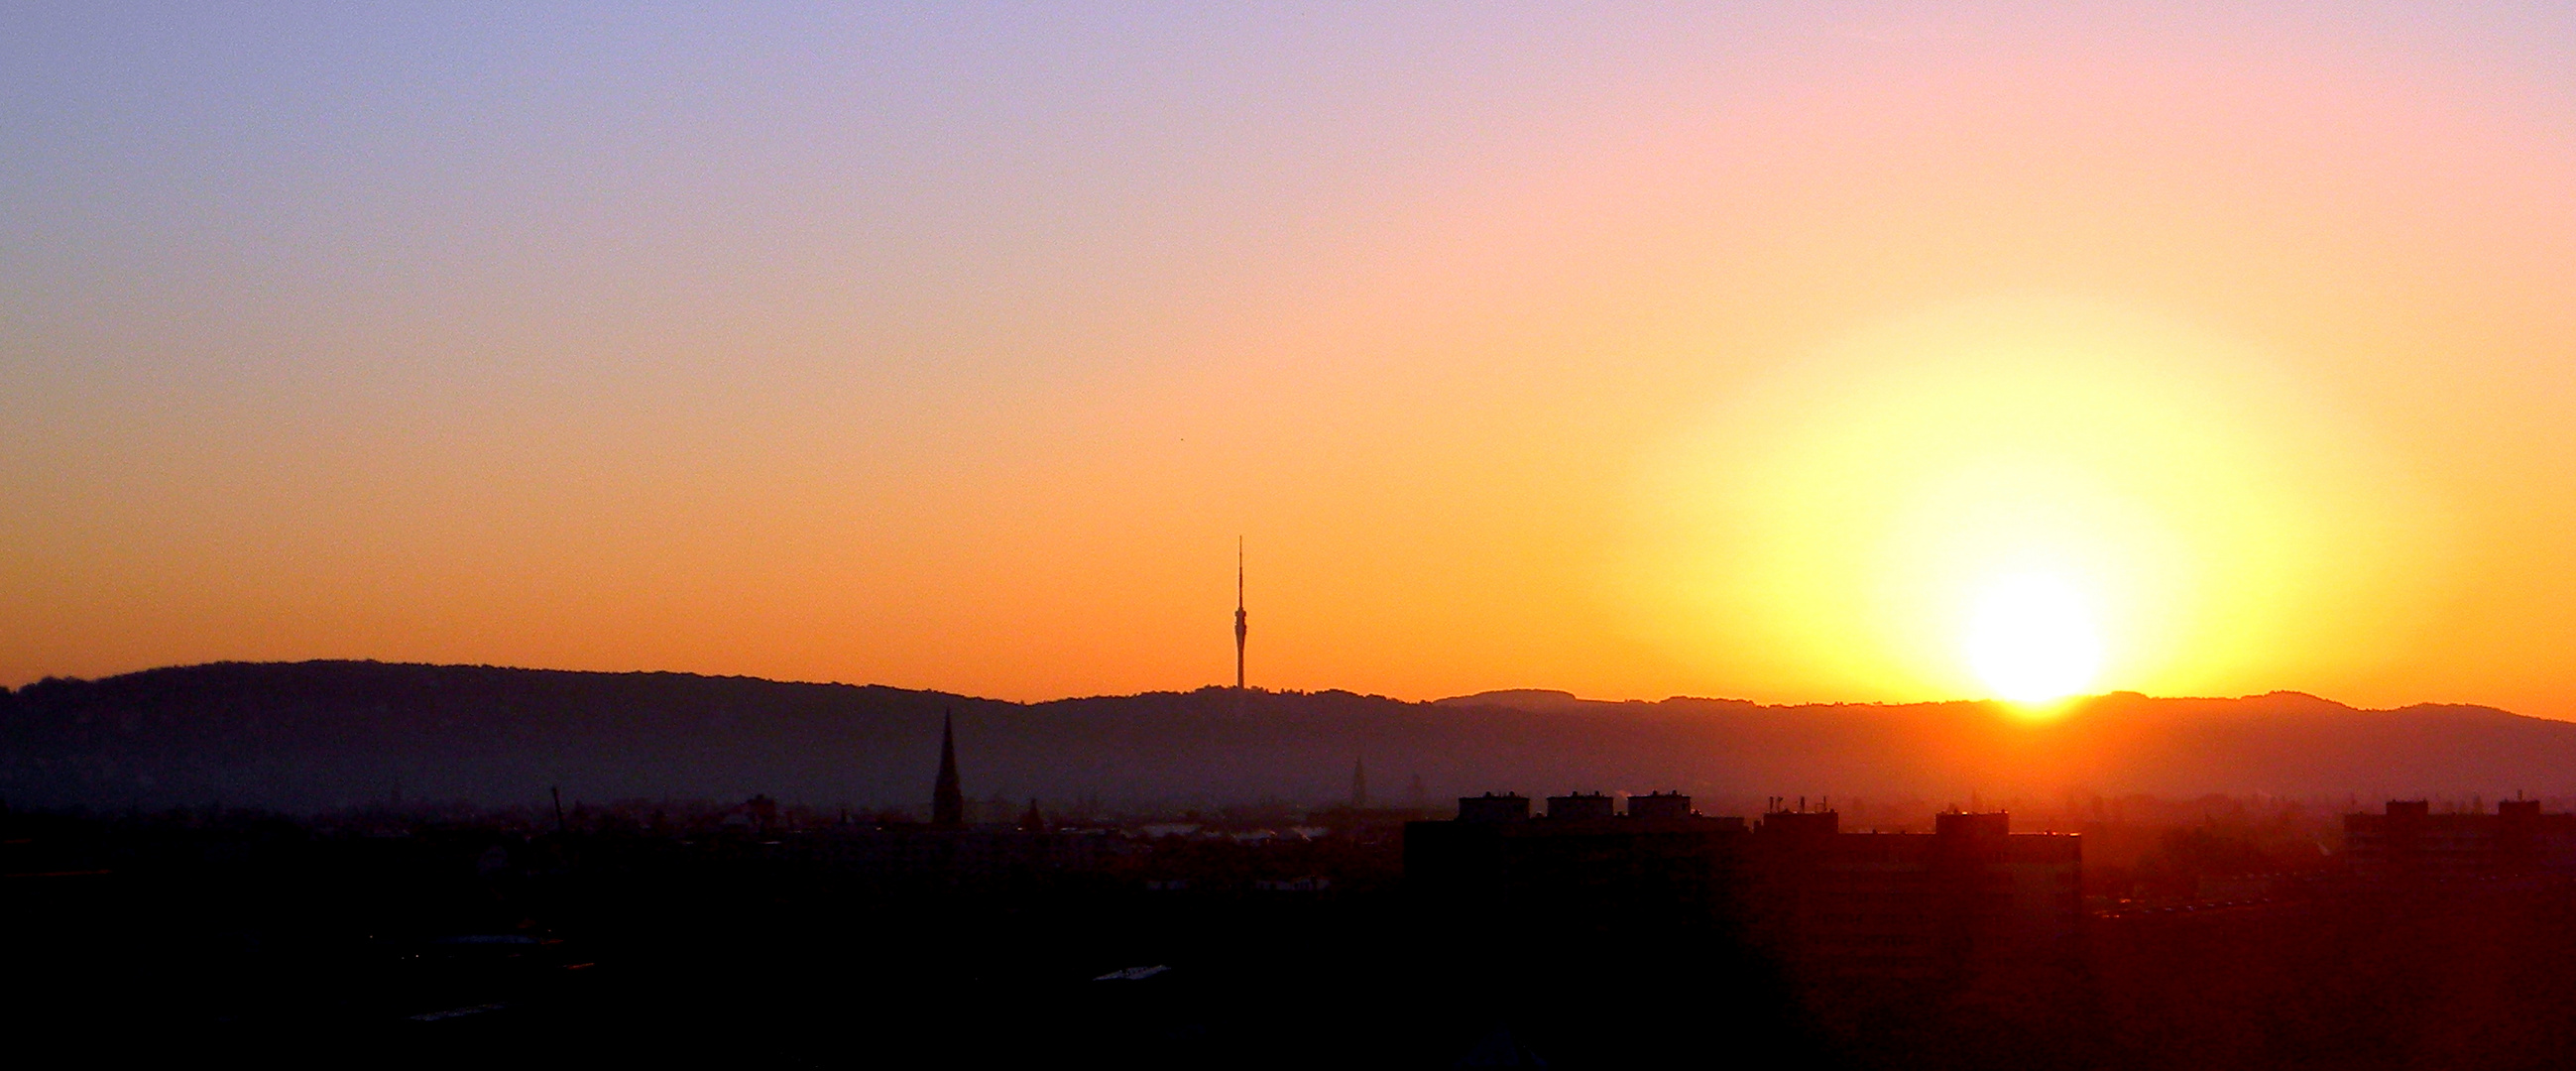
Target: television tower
x=1240, y=629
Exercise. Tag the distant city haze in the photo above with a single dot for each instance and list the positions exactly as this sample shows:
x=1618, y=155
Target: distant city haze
x=1780, y=353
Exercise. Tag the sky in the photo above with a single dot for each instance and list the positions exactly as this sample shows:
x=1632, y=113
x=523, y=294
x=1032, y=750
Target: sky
x=1795, y=352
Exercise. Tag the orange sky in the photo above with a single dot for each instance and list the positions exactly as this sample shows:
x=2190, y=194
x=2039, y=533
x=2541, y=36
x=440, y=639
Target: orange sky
x=1623, y=353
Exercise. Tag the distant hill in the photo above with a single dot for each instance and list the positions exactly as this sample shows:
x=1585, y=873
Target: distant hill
x=316, y=735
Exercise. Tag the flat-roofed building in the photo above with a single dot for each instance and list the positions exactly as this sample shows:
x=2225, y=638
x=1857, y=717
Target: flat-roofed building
x=2409, y=841
x=1969, y=894
x=1583, y=863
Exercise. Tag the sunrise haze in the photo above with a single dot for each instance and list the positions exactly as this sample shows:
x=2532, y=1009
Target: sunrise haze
x=1786, y=352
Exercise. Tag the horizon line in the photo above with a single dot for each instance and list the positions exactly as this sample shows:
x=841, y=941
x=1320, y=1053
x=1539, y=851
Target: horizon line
x=2064, y=703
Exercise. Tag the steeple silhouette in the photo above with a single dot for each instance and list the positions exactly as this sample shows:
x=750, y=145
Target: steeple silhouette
x=1240, y=628
x=947, y=800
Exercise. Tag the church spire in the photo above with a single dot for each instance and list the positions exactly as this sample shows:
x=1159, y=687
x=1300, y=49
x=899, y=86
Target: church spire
x=947, y=799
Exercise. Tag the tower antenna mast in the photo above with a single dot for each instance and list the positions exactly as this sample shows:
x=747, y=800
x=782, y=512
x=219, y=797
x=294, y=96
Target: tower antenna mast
x=1240, y=627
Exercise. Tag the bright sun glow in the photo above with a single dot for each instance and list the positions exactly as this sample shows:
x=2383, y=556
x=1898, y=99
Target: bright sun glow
x=2025, y=498
x=2031, y=639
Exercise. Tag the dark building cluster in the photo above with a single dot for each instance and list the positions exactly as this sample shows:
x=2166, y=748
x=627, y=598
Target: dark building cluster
x=2409, y=841
x=1587, y=929
x=1970, y=894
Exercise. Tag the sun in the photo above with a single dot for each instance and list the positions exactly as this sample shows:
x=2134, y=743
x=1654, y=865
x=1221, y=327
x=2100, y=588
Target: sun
x=2032, y=639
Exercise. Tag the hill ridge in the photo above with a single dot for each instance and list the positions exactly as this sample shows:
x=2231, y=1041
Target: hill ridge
x=326, y=733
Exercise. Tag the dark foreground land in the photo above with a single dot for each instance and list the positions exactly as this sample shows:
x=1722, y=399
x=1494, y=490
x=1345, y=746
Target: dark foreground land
x=231, y=936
